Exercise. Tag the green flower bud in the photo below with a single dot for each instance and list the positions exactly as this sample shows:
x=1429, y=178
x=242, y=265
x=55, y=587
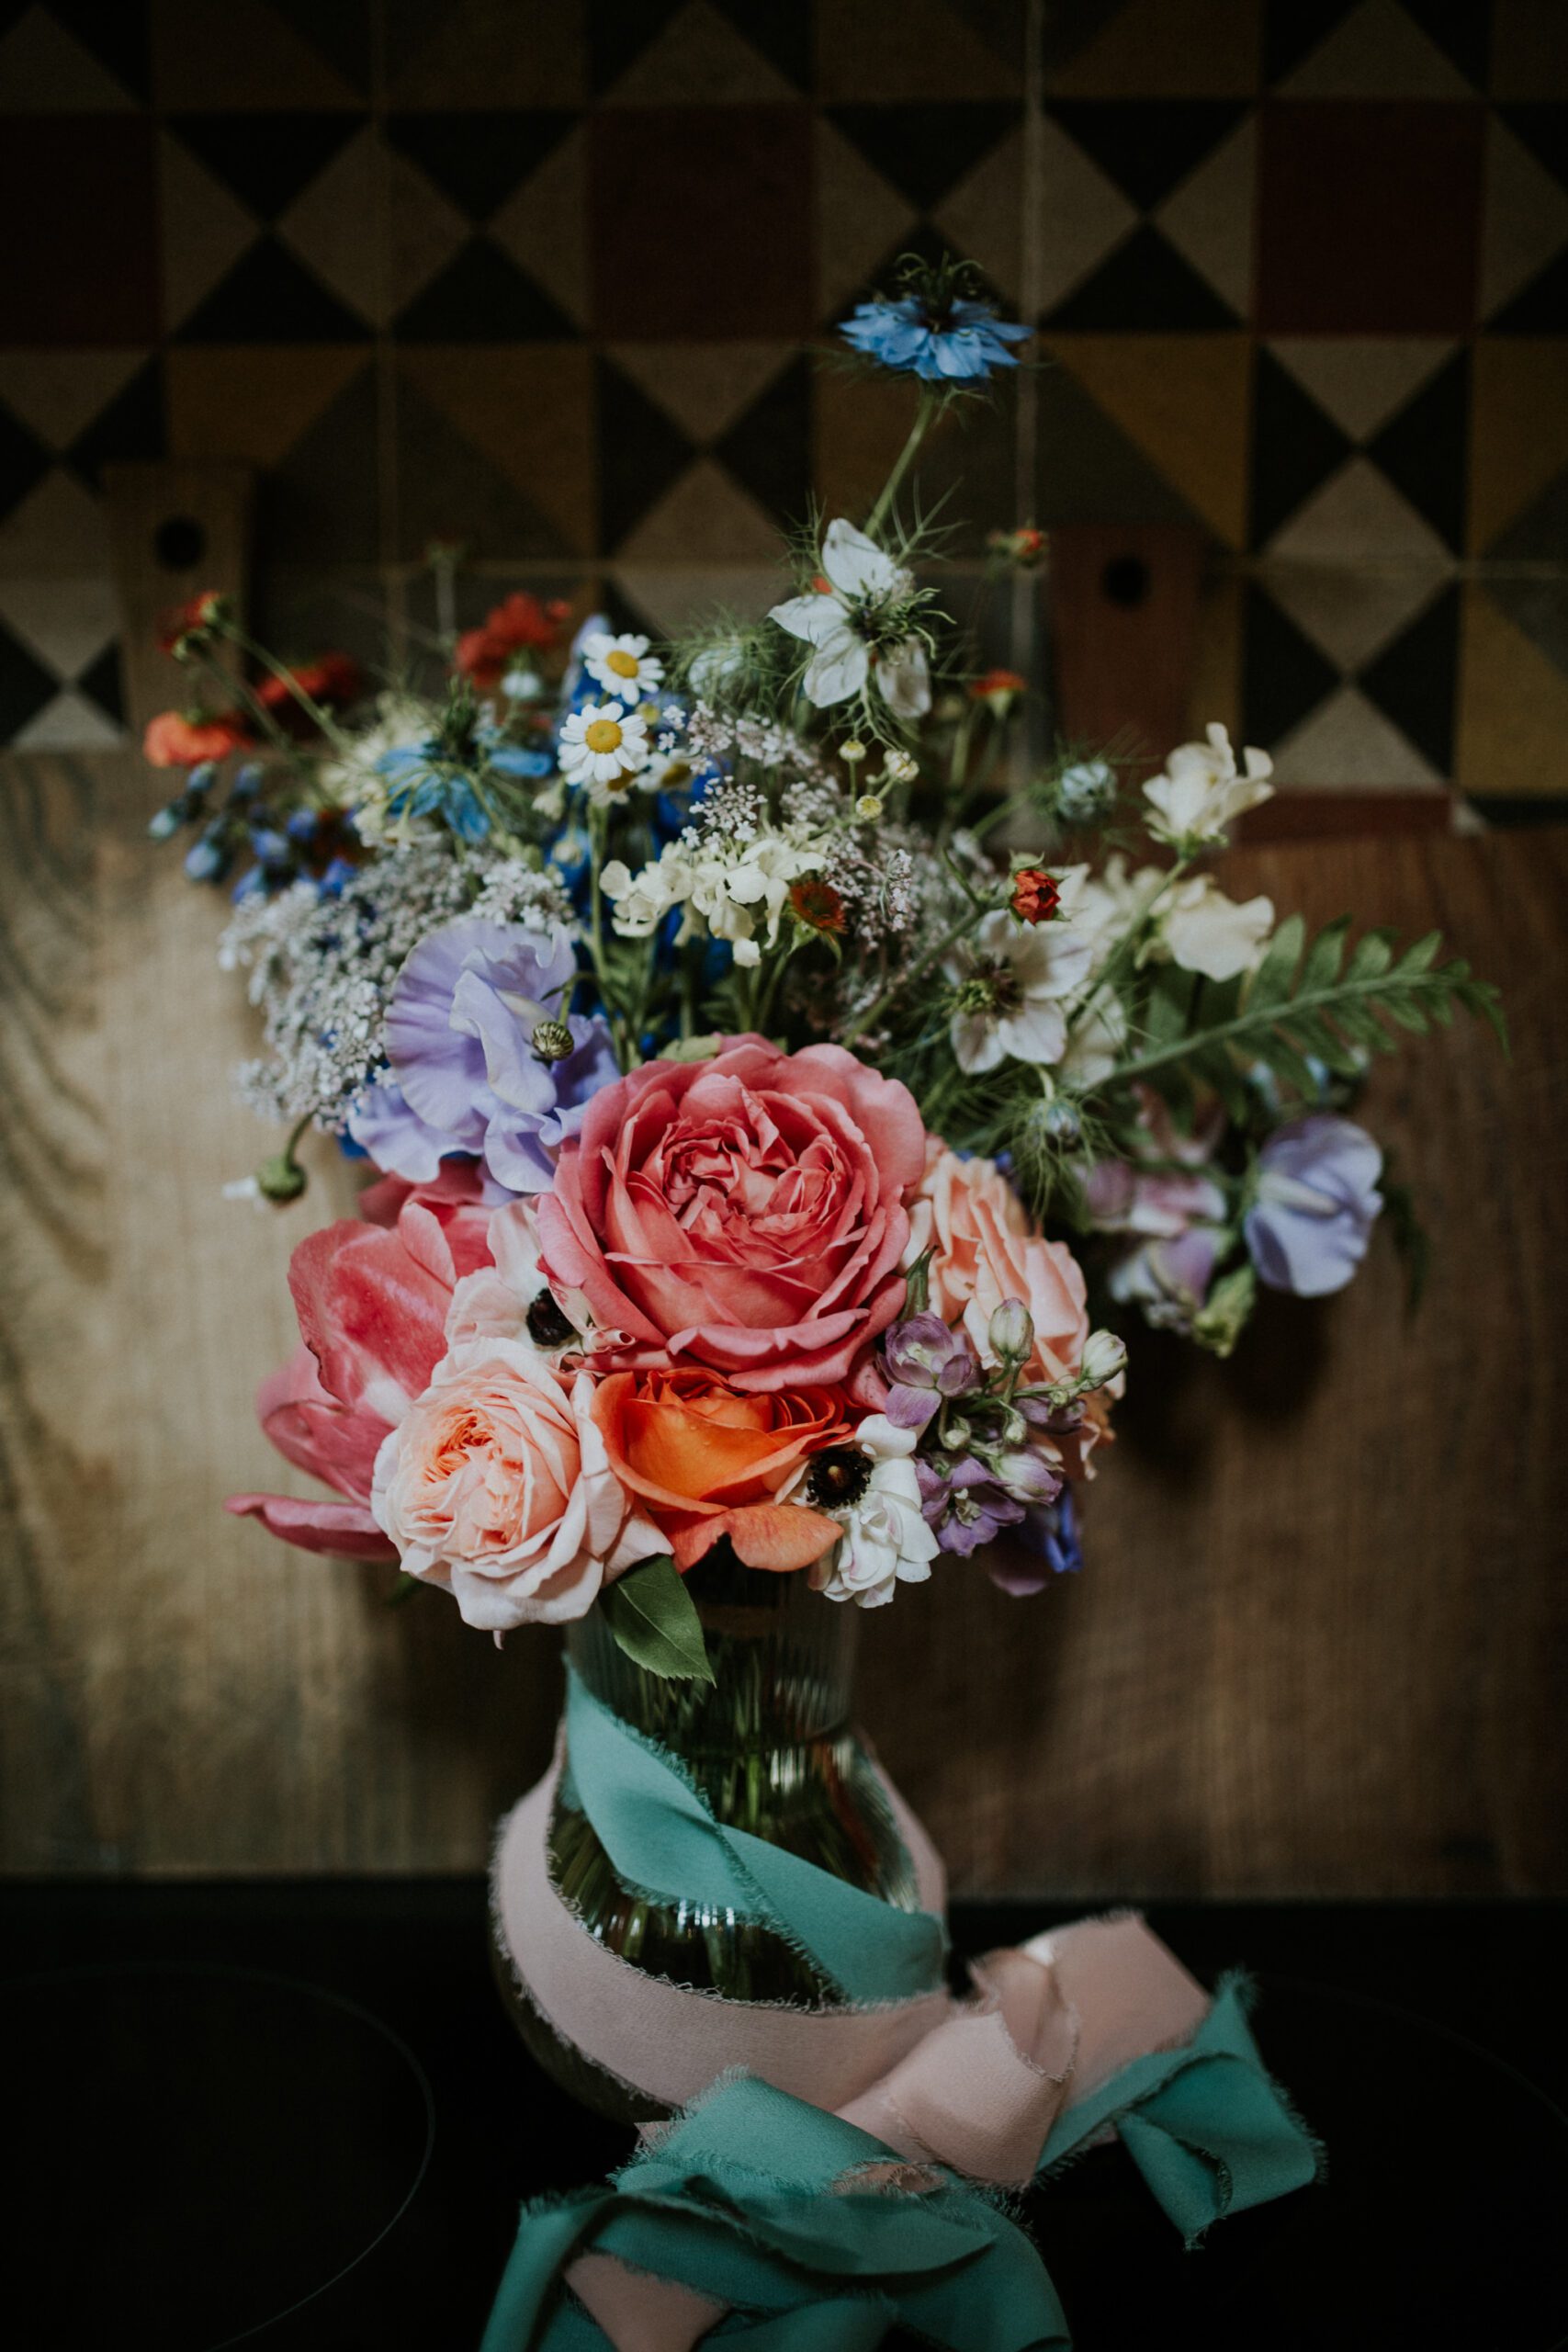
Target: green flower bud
x=281, y=1178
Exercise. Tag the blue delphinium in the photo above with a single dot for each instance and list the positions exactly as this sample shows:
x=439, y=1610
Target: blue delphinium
x=948, y=340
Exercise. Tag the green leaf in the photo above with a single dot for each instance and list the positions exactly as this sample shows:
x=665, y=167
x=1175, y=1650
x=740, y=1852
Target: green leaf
x=1325, y=956
x=917, y=1284
x=653, y=1618
x=1420, y=957
x=1168, y=1014
x=1271, y=983
x=1372, y=956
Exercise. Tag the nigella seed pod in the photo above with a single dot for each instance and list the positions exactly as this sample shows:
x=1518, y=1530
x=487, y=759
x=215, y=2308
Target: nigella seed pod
x=1061, y=1121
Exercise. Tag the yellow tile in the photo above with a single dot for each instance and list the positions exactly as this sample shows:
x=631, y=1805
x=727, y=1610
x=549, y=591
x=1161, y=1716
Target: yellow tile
x=1518, y=427
x=1183, y=400
x=253, y=400
x=1215, y=691
x=1512, y=708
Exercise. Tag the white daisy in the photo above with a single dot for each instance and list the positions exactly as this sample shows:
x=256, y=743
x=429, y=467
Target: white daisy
x=841, y=625
x=1012, y=983
x=871, y=1488
x=605, y=746
x=622, y=665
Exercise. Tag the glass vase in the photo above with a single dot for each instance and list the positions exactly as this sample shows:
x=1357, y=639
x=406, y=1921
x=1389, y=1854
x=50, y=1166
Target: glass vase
x=771, y=1746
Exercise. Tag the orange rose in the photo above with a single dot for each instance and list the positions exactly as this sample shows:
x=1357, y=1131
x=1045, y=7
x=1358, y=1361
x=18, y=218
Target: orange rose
x=707, y=1461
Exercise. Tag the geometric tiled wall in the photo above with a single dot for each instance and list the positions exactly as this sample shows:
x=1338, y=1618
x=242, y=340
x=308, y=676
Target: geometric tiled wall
x=535, y=277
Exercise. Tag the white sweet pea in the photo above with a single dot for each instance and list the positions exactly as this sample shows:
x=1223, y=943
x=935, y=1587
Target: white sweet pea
x=1012, y=986
x=1202, y=790
x=1205, y=932
x=622, y=665
x=886, y=1541
x=841, y=625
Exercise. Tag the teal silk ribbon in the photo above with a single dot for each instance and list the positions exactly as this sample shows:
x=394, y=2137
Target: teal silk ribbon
x=805, y=2263
x=667, y=1846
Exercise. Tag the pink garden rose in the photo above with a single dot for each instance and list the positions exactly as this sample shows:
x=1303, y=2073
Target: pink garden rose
x=372, y=1302
x=985, y=1250
x=745, y=1214
x=496, y=1486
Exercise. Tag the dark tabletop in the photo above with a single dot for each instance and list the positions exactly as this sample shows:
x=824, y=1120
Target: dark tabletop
x=294, y=2115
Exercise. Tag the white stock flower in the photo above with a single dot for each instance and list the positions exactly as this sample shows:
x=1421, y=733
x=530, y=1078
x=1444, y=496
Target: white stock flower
x=840, y=625
x=622, y=665
x=1205, y=932
x=603, y=746
x=1202, y=791
x=1013, y=985
x=886, y=1541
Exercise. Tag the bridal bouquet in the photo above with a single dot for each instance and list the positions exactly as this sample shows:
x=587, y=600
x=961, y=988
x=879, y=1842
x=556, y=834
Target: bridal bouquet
x=745, y=1034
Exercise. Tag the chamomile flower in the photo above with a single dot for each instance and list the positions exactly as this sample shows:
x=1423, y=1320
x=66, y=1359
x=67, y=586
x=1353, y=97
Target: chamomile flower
x=605, y=746
x=622, y=665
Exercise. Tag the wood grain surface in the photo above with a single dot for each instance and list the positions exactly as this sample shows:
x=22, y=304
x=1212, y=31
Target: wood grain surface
x=1319, y=1647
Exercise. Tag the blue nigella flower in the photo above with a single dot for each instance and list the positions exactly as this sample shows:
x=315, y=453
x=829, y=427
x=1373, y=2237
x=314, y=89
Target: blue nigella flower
x=424, y=785
x=961, y=342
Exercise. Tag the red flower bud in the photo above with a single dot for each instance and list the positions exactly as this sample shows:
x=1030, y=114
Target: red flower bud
x=1035, y=897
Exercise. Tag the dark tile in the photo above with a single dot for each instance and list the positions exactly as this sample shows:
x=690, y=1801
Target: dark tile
x=1145, y=287
x=1539, y=308
x=1413, y=682
x=477, y=159
x=82, y=258
x=1294, y=28
x=701, y=222
x=483, y=297
x=1368, y=216
x=321, y=504
x=1542, y=125
x=117, y=33
x=780, y=29
x=1462, y=33
x=448, y=489
x=133, y=427
x=100, y=681
x=1424, y=449
x=24, y=461
x=1088, y=470
x=343, y=30
x=1296, y=446
x=768, y=449
x=641, y=453
x=269, y=296
x=1148, y=146
x=924, y=151
x=1283, y=675
x=619, y=32
x=25, y=686
x=266, y=160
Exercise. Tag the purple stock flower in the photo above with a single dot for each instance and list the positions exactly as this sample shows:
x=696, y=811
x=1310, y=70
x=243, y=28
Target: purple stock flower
x=963, y=1506
x=464, y=1073
x=1051, y=1534
x=1316, y=1199
x=927, y=1364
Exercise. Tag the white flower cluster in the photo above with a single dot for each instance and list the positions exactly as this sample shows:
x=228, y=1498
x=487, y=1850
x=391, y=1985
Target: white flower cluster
x=719, y=735
x=731, y=870
x=322, y=969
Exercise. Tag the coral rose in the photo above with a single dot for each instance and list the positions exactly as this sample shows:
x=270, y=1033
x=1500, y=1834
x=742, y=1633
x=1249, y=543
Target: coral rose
x=985, y=1251
x=708, y=1459
x=496, y=1486
x=746, y=1213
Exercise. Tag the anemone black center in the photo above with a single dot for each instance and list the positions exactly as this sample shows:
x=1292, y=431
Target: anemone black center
x=547, y=1327
x=840, y=1476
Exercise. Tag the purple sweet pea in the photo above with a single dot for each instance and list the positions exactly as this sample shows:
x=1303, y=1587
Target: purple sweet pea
x=1318, y=1196
x=1046, y=1546
x=464, y=1074
x=927, y=1364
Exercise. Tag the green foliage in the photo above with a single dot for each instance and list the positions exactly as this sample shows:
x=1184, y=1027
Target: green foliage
x=653, y=1618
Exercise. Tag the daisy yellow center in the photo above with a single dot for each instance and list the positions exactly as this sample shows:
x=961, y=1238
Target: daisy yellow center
x=602, y=735
x=625, y=665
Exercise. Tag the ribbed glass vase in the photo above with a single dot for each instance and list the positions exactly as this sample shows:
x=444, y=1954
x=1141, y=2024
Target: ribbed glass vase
x=771, y=1745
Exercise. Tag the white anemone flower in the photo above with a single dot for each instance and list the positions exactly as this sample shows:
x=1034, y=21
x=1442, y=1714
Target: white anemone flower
x=1202, y=791
x=622, y=665
x=886, y=1542
x=840, y=622
x=603, y=746
x=1013, y=984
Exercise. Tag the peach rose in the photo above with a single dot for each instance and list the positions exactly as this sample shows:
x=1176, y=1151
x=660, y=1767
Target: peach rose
x=985, y=1251
x=496, y=1486
x=708, y=1459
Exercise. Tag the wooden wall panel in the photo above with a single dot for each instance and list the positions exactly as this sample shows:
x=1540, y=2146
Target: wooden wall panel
x=1319, y=1646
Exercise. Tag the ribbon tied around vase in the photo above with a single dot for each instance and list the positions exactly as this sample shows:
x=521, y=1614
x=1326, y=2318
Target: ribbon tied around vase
x=890, y=2123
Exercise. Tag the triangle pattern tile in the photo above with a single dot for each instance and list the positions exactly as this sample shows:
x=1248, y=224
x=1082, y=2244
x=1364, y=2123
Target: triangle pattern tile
x=699, y=58
x=782, y=32
x=478, y=158
x=768, y=449
x=481, y=296
x=982, y=217
x=1350, y=612
x=859, y=424
x=1143, y=287
x=925, y=242
x=1346, y=744
x=704, y=509
x=1360, y=380
x=264, y=160
x=447, y=53
x=1283, y=675
x=1513, y=707
x=44, y=69
x=25, y=686
x=253, y=402
x=24, y=461
x=1377, y=52
x=1147, y=147
x=378, y=275
x=1183, y=401
x=117, y=37
x=1413, y=680
x=859, y=219
x=930, y=52
x=133, y=425
x=529, y=412
x=1087, y=469
x=270, y=297
x=58, y=526
x=1524, y=218
x=705, y=386
x=1209, y=217
x=619, y=32
x=343, y=30
x=1084, y=216
x=924, y=151
x=1528, y=59
x=1538, y=533
x=1538, y=606
x=69, y=723
x=1463, y=35
x=57, y=393
x=1518, y=432
x=66, y=622
x=1163, y=48
x=664, y=600
x=203, y=229
x=1294, y=28
x=448, y=489
x=1423, y=449
x=641, y=453
x=243, y=49
x=320, y=503
x=1358, y=517
x=1542, y=126
x=103, y=685
x=542, y=227
x=1538, y=308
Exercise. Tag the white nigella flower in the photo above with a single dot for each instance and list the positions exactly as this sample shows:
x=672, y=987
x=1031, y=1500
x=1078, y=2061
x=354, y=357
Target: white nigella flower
x=1205, y=932
x=622, y=665
x=603, y=746
x=871, y=1488
x=845, y=625
x=1202, y=790
x=1012, y=983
